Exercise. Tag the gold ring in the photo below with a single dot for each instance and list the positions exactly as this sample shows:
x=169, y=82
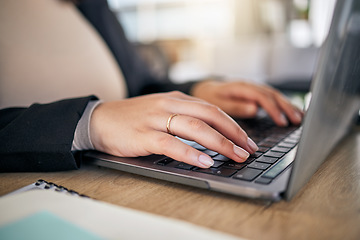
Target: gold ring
x=168, y=123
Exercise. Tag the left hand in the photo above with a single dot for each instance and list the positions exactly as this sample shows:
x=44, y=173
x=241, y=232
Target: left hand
x=242, y=99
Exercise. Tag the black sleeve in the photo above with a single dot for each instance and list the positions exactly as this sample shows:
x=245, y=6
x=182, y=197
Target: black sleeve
x=137, y=75
x=39, y=138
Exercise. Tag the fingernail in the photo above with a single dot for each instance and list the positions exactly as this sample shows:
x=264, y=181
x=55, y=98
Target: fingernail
x=252, y=145
x=206, y=161
x=241, y=153
x=283, y=120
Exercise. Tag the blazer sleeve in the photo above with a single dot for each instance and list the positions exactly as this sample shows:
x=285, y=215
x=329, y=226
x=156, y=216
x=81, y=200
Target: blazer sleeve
x=39, y=138
x=138, y=77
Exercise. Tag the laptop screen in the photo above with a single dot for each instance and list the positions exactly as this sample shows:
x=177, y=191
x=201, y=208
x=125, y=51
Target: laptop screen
x=335, y=94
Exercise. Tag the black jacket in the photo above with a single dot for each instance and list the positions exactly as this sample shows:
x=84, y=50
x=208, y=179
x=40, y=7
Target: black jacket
x=39, y=138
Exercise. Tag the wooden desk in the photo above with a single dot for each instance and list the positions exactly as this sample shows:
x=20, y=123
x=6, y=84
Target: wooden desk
x=328, y=207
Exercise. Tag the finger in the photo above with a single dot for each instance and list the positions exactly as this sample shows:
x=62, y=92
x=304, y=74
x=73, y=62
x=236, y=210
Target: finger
x=267, y=102
x=261, y=96
x=174, y=148
x=293, y=114
x=237, y=107
x=196, y=130
x=217, y=119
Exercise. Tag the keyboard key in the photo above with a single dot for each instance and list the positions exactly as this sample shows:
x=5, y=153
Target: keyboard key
x=274, y=154
x=248, y=174
x=249, y=160
x=256, y=139
x=259, y=165
x=265, y=159
x=222, y=158
x=234, y=165
x=262, y=180
x=263, y=149
x=222, y=172
x=294, y=137
x=297, y=133
x=210, y=152
x=188, y=142
x=289, y=140
x=256, y=154
x=287, y=144
x=274, y=139
x=278, y=167
x=280, y=149
x=165, y=161
x=199, y=147
x=266, y=144
x=184, y=166
x=217, y=164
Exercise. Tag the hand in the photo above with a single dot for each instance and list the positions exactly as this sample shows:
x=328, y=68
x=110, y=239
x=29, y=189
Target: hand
x=242, y=99
x=137, y=127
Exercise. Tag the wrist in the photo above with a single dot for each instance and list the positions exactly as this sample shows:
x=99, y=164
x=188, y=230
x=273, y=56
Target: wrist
x=82, y=139
x=202, y=87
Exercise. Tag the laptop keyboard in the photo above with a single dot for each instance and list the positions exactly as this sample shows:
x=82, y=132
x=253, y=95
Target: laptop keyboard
x=261, y=167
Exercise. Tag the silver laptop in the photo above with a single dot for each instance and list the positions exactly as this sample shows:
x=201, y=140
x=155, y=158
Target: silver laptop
x=287, y=157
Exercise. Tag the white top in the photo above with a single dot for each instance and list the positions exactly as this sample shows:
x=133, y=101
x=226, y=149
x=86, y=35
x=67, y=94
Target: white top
x=48, y=51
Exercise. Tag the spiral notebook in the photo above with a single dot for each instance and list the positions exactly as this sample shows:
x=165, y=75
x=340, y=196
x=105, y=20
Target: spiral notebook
x=45, y=185
x=44, y=210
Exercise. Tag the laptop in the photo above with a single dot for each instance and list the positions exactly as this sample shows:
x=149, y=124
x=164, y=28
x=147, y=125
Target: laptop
x=287, y=157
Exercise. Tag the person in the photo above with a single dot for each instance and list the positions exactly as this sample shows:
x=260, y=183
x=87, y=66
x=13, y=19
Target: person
x=110, y=101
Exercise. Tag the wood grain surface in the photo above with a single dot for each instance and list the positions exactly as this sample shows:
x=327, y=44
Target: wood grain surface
x=328, y=207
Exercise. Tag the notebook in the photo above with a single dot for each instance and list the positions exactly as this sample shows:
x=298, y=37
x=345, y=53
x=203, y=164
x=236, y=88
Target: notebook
x=50, y=214
x=42, y=184
x=287, y=157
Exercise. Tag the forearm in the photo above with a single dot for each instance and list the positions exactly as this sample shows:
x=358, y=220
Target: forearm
x=40, y=138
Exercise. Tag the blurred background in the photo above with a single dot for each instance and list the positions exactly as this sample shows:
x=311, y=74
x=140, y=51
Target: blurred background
x=273, y=41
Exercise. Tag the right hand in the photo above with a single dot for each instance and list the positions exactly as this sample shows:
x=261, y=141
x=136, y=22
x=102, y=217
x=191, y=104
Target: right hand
x=137, y=127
